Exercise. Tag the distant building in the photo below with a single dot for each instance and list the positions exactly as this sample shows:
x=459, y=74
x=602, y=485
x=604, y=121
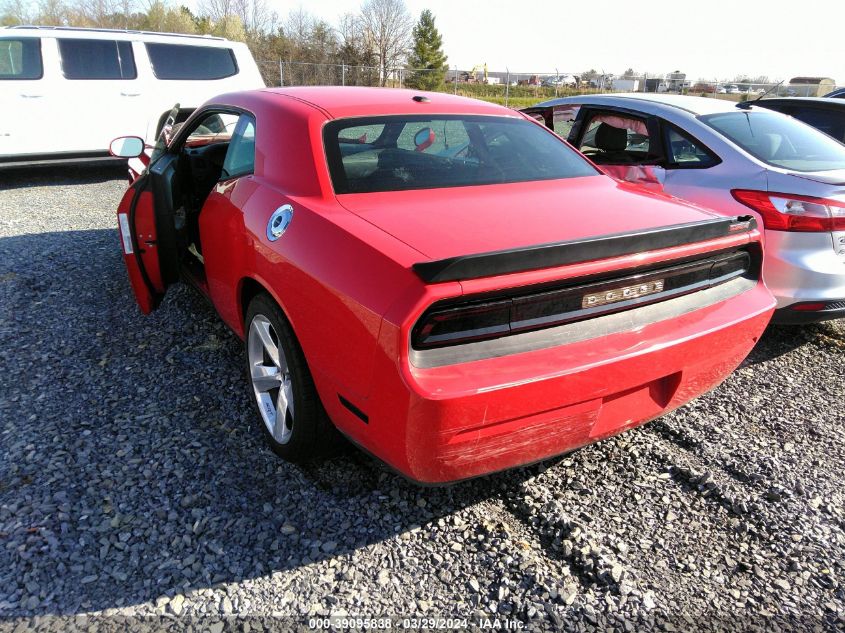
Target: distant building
x=626, y=85
x=675, y=82
x=808, y=86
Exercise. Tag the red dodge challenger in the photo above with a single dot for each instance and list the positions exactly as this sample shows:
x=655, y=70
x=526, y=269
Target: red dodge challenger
x=446, y=282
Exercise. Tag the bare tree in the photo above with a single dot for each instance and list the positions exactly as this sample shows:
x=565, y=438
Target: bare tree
x=99, y=13
x=217, y=10
x=52, y=13
x=353, y=44
x=255, y=15
x=387, y=25
x=13, y=12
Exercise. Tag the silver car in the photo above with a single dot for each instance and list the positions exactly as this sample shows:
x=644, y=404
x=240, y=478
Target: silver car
x=731, y=158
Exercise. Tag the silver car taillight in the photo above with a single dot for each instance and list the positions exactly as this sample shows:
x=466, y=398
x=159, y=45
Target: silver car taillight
x=790, y=212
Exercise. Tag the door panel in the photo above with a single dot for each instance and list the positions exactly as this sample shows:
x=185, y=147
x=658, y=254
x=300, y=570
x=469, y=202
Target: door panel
x=651, y=177
x=26, y=75
x=145, y=220
x=136, y=224
x=711, y=187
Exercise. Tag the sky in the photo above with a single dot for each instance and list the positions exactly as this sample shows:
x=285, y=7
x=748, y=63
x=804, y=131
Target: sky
x=712, y=39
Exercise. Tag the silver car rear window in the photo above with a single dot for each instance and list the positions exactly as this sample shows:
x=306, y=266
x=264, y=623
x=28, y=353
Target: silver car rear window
x=779, y=140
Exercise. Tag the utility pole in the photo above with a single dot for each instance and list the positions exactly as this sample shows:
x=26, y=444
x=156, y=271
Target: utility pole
x=507, y=85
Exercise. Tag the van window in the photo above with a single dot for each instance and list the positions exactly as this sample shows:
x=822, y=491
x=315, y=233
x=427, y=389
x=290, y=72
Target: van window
x=178, y=61
x=20, y=58
x=97, y=59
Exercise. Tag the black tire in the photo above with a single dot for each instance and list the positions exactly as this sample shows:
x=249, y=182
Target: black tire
x=312, y=434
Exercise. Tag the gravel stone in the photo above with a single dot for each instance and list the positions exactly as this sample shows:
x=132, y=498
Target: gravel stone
x=135, y=482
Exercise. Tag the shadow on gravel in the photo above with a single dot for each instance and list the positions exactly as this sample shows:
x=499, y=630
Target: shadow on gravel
x=132, y=466
x=778, y=340
x=65, y=174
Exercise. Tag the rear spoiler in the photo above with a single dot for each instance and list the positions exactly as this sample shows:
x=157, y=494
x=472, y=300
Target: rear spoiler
x=577, y=251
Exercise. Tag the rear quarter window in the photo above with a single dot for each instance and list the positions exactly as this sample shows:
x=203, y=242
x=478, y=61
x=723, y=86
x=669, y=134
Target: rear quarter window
x=20, y=58
x=179, y=61
x=97, y=59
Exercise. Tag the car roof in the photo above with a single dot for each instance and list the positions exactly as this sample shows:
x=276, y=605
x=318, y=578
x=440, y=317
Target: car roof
x=70, y=32
x=694, y=105
x=344, y=101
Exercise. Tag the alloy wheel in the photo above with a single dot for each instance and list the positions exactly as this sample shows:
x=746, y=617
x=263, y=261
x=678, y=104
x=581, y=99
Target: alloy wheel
x=271, y=378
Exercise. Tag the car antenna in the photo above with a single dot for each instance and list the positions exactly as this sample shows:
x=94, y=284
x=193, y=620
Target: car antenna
x=748, y=104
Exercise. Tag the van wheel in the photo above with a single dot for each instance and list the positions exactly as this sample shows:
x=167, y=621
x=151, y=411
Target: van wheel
x=293, y=419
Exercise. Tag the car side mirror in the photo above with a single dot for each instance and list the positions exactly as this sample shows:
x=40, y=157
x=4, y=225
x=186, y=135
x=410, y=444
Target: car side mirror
x=127, y=147
x=423, y=139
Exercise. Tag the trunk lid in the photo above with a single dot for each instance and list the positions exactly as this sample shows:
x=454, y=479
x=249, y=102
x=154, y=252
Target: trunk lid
x=834, y=178
x=445, y=223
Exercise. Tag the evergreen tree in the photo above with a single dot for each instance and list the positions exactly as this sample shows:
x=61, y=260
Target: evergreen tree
x=426, y=53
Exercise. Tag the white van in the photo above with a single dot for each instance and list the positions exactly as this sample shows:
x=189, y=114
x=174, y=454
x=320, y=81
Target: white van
x=65, y=93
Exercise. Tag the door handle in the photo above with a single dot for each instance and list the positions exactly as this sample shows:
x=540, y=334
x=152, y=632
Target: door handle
x=130, y=94
x=25, y=96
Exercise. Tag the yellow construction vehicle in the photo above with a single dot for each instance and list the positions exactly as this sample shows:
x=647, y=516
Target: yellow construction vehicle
x=471, y=77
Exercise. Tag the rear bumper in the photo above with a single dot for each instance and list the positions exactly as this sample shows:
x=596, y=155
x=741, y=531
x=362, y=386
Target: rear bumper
x=803, y=267
x=792, y=316
x=444, y=423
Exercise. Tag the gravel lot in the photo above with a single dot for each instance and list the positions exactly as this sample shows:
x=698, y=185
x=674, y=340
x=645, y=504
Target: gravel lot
x=134, y=479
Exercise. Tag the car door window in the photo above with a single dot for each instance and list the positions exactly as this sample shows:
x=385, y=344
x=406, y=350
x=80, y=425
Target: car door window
x=212, y=128
x=204, y=153
x=240, y=159
x=563, y=118
x=20, y=58
x=616, y=139
x=97, y=59
x=682, y=151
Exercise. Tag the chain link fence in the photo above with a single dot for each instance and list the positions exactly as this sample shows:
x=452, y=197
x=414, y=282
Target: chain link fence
x=520, y=89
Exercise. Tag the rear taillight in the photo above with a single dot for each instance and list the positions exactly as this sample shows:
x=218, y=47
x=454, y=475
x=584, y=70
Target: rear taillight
x=463, y=324
x=478, y=320
x=790, y=212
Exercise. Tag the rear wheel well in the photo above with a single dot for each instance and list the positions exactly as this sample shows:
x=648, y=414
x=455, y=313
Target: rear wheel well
x=249, y=290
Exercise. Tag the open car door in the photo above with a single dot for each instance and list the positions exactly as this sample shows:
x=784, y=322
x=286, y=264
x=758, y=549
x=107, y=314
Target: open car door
x=148, y=234
x=147, y=225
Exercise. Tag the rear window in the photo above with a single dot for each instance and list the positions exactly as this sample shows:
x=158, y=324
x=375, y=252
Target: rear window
x=178, y=61
x=779, y=140
x=20, y=58
x=97, y=59
x=397, y=153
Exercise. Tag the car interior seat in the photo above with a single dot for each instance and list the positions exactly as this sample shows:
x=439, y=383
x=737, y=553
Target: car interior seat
x=612, y=142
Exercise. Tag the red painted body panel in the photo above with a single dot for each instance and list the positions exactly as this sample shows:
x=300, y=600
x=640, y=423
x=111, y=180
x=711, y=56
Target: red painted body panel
x=342, y=275
x=145, y=231
x=442, y=223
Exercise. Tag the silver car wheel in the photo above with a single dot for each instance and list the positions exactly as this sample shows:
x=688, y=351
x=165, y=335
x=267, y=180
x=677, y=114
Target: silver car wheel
x=271, y=378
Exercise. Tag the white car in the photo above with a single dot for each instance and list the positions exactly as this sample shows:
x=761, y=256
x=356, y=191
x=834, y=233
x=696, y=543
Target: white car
x=65, y=93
